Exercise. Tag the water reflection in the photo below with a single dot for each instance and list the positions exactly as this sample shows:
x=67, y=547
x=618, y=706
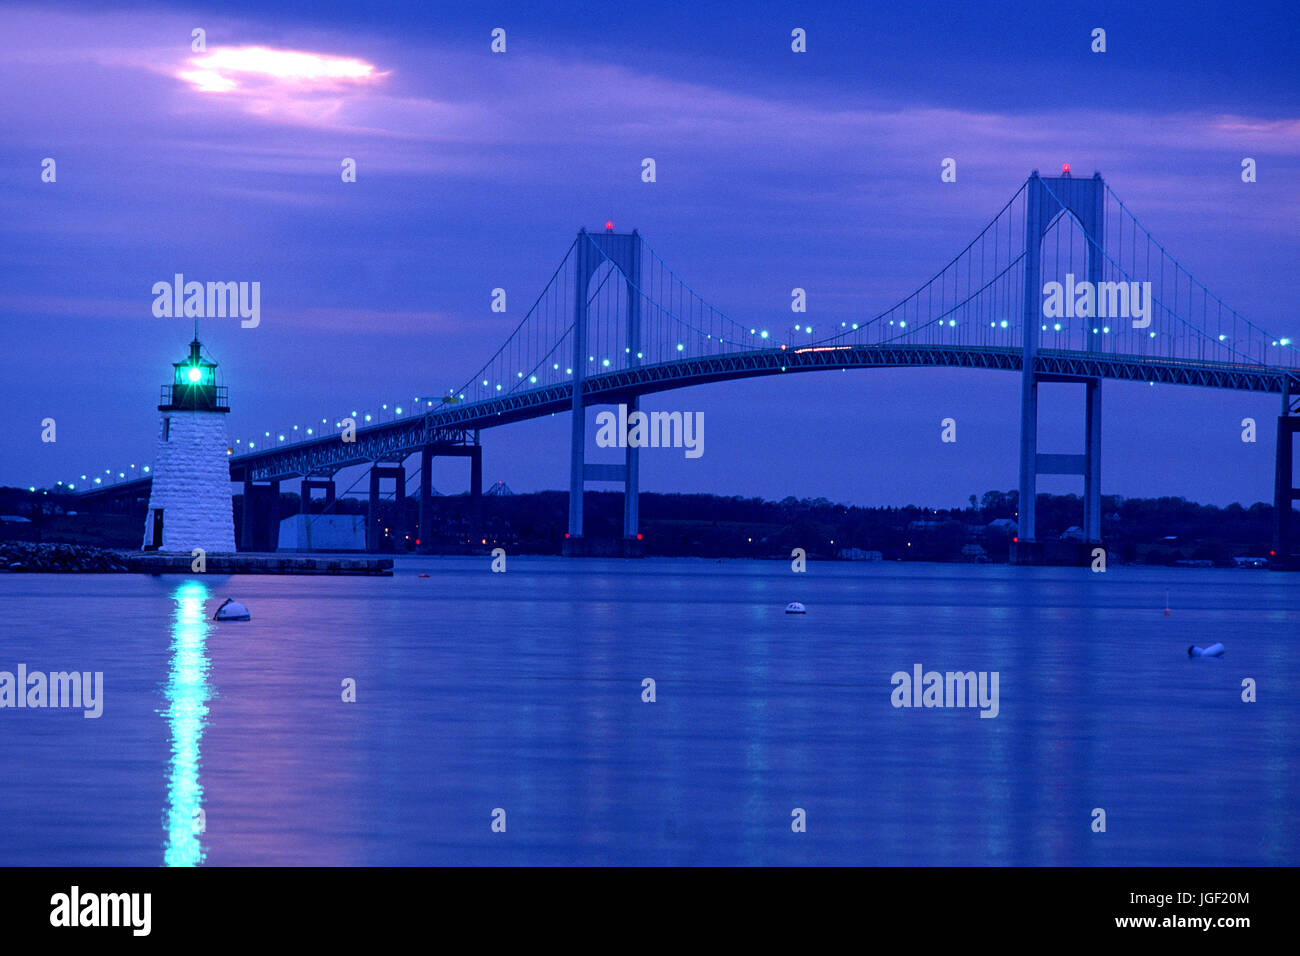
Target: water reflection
x=187, y=694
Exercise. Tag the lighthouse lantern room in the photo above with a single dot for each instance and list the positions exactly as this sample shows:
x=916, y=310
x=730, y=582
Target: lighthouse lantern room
x=189, y=503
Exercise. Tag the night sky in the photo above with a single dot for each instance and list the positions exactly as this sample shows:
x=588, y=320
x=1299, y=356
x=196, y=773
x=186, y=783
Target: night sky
x=774, y=170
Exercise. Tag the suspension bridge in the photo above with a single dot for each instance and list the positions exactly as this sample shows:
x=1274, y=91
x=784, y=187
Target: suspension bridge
x=615, y=323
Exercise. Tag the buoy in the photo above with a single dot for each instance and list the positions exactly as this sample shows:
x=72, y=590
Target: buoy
x=231, y=611
x=422, y=575
x=794, y=607
x=1214, y=650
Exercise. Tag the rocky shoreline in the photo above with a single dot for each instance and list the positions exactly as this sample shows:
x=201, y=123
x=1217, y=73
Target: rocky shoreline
x=22, y=556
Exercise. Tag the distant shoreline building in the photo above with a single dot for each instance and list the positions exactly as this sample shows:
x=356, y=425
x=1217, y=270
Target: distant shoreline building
x=190, y=504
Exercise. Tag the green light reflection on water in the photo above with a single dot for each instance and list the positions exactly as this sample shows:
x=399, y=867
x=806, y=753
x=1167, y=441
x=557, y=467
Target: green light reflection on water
x=187, y=694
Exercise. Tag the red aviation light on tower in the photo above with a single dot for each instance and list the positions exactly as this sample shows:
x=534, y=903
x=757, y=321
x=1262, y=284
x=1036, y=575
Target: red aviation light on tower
x=1065, y=169
x=609, y=225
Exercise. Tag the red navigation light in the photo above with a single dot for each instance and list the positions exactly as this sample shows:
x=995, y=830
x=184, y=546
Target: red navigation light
x=566, y=534
x=1016, y=539
x=638, y=535
x=417, y=540
x=1065, y=168
x=609, y=225
x=1272, y=554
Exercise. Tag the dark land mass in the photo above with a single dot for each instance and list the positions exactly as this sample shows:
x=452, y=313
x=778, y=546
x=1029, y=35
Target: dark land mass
x=1160, y=531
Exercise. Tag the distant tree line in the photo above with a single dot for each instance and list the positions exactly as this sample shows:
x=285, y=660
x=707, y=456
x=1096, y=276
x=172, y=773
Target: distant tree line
x=1147, y=530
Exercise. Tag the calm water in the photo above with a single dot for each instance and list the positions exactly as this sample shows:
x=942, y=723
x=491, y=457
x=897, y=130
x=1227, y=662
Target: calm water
x=522, y=691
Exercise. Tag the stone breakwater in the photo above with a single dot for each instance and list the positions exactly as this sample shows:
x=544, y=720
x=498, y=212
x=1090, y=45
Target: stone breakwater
x=21, y=556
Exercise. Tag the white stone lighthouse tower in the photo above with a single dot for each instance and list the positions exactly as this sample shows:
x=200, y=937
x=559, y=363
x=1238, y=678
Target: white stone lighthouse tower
x=189, y=504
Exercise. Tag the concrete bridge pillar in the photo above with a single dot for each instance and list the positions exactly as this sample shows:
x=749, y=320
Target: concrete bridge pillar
x=424, y=532
x=378, y=473
x=476, y=490
x=474, y=453
x=631, y=492
x=259, y=527
x=1286, y=547
x=1092, y=464
x=316, y=484
x=248, y=523
x=273, y=516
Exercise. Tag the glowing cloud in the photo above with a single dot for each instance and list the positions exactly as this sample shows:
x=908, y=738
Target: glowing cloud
x=221, y=71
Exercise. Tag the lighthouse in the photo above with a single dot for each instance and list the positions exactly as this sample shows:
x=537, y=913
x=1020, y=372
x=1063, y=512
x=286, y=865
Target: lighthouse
x=189, y=504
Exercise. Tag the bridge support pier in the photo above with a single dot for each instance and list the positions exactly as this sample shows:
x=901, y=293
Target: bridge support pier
x=247, y=525
x=273, y=516
x=1286, y=547
x=476, y=489
x=316, y=484
x=1027, y=548
x=424, y=528
x=428, y=453
x=378, y=473
x=633, y=546
x=259, y=528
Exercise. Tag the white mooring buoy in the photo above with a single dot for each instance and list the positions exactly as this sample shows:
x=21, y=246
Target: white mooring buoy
x=231, y=610
x=794, y=607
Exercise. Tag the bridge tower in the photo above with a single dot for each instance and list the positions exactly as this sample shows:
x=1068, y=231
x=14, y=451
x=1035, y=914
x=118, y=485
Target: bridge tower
x=1047, y=199
x=190, y=504
x=1286, y=542
x=623, y=252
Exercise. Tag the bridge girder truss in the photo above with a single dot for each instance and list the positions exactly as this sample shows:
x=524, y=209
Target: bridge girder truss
x=454, y=424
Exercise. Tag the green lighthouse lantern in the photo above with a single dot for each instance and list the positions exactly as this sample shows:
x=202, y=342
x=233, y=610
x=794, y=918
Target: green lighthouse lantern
x=194, y=385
